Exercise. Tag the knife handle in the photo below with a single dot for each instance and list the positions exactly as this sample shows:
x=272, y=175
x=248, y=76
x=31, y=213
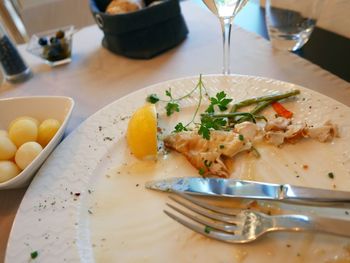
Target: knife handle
x=314, y=194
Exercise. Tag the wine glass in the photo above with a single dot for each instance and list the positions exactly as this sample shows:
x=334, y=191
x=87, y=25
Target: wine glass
x=225, y=10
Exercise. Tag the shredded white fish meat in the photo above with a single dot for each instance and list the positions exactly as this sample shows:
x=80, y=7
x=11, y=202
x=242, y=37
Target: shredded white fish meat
x=210, y=157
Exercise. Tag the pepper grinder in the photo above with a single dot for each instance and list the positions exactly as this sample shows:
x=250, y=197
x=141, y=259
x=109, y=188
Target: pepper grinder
x=13, y=66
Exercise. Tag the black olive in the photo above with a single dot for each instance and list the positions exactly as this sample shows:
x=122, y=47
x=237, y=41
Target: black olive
x=53, y=40
x=57, y=46
x=60, y=34
x=55, y=54
x=42, y=41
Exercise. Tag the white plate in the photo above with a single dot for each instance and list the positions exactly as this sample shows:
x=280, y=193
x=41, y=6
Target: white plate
x=41, y=108
x=88, y=202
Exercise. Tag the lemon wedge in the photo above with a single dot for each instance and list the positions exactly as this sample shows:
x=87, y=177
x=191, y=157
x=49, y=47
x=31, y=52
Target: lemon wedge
x=142, y=132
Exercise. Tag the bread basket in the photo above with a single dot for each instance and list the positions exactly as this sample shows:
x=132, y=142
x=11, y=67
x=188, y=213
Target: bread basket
x=142, y=34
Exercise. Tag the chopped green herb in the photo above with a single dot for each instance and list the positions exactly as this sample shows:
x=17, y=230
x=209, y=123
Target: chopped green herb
x=241, y=137
x=171, y=108
x=34, y=255
x=207, y=163
x=207, y=123
x=222, y=146
x=204, y=131
x=217, y=124
x=207, y=229
x=153, y=98
x=180, y=127
x=168, y=93
x=331, y=175
x=256, y=152
x=201, y=171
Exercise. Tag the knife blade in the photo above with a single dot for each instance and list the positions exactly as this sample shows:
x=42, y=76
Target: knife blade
x=233, y=188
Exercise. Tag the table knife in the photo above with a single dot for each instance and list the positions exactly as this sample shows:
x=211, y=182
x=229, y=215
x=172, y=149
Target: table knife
x=219, y=187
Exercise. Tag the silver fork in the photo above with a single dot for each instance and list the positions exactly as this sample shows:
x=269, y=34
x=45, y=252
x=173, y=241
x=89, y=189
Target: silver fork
x=243, y=226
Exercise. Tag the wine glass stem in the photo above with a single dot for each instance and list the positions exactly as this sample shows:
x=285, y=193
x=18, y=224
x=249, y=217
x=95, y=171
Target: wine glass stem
x=226, y=24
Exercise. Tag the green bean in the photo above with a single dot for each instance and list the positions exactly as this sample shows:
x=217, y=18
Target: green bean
x=270, y=98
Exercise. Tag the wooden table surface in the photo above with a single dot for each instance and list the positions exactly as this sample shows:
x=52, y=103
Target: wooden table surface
x=96, y=77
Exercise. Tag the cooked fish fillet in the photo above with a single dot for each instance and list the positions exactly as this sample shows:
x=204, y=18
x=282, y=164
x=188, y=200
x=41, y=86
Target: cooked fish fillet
x=248, y=129
x=215, y=156
x=323, y=133
x=278, y=124
x=211, y=157
x=281, y=130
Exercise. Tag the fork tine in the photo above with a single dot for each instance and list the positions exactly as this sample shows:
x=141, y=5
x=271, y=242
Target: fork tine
x=203, y=230
x=217, y=225
x=210, y=214
x=221, y=210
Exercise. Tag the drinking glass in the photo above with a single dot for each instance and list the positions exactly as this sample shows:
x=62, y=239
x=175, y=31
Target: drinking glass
x=225, y=10
x=291, y=22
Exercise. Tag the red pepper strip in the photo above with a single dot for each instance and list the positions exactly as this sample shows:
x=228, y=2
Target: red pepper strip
x=281, y=111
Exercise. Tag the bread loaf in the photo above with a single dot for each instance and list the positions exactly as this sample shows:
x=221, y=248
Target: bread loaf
x=123, y=6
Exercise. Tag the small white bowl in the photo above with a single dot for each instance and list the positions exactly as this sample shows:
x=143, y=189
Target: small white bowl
x=56, y=53
x=41, y=108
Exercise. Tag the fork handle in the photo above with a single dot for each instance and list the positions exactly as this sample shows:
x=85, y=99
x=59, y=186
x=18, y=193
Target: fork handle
x=333, y=226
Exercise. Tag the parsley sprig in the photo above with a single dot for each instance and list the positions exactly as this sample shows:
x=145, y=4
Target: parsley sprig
x=172, y=104
x=200, y=86
x=171, y=108
x=180, y=127
x=210, y=119
x=208, y=123
x=220, y=101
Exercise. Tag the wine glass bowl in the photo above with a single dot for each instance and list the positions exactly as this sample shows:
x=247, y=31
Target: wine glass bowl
x=225, y=8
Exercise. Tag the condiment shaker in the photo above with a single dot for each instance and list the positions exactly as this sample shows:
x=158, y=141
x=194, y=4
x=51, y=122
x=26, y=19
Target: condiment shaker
x=13, y=66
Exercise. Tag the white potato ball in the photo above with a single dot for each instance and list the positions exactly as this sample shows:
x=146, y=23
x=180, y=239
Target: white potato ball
x=4, y=133
x=8, y=170
x=27, y=153
x=47, y=130
x=24, y=118
x=7, y=148
x=22, y=131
